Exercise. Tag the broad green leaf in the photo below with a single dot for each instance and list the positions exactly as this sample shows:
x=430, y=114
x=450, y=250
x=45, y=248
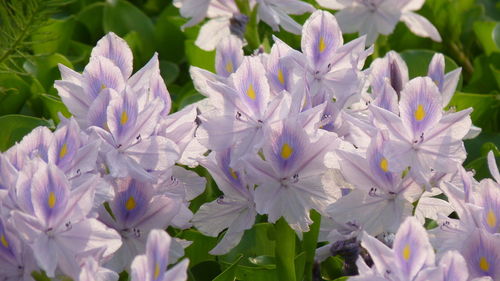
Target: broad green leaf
x=229, y=273
x=485, y=34
x=486, y=113
x=197, y=252
x=496, y=35
x=483, y=79
x=332, y=268
x=200, y=58
x=53, y=105
x=169, y=71
x=122, y=17
x=91, y=17
x=257, y=241
x=14, y=92
x=480, y=164
x=46, y=70
x=15, y=127
x=418, y=62
x=54, y=37
x=205, y=271
x=169, y=38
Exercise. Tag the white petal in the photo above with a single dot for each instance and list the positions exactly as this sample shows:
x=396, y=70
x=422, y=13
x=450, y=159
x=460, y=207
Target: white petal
x=421, y=26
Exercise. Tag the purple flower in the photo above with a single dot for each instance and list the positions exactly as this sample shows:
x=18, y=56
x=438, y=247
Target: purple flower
x=153, y=264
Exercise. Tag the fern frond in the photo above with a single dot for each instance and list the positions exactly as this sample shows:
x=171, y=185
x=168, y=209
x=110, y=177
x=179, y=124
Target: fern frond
x=19, y=20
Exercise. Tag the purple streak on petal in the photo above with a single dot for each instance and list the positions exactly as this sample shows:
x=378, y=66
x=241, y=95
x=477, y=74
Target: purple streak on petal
x=101, y=73
x=490, y=193
x=97, y=112
x=122, y=115
x=482, y=253
x=66, y=144
x=229, y=56
x=379, y=165
x=117, y=50
x=387, y=98
x=279, y=73
x=492, y=166
x=412, y=248
x=251, y=85
x=131, y=201
x=321, y=38
x=455, y=267
x=436, y=70
x=50, y=193
x=157, y=249
x=286, y=149
x=421, y=105
x=159, y=89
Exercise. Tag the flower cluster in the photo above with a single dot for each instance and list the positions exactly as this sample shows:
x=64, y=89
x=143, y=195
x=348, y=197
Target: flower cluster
x=371, y=150
x=81, y=201
x=281, y=134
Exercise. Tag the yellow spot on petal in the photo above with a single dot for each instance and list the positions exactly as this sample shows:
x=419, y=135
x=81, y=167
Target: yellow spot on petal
x=406, y=252
x=281, y=78
x=229, y=67
x=124, y=118
x=63, y=151
x=233, y=174
x=103, y=86
x=4, y=241
x=321, y=45
x=286, y=151
x=157, y=271
x=251, y=92
x=491, y=219
x=52, y=200
x=130, y=204
x=484, y=264
x=420, y=113
x=384, y=165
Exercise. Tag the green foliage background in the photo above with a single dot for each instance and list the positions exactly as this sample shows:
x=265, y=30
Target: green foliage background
x=36, y=35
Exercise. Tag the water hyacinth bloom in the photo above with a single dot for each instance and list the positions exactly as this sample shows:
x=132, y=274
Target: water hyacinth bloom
x=53, y=221
x=135, y=210
x=129, y=144
x=373, y=17
x=411, y=253
x=153, y=264
x=331, y=69
x=235, y=210
x=110, y=67
x=422, y=137
x=381, y=200
x=247, y=109
x=290, y=179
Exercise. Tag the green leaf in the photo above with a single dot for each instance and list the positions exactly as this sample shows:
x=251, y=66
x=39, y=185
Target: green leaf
x=169, y=37
x=53, y=105
x=486, y=113
x=198, y=57
x=47, y=71
x=229, y=273
x=418, y=62
x=264, y=261
x=15, y=127
x=486, y=76
x=205, y=271
x=332, y=268
x=484, y=31
x=169, y=71
x=91, y=17
x=480, y=164
x=198, y=251
x=54, y=37
x=122, y=17
x=14, y=92
x=496, y=35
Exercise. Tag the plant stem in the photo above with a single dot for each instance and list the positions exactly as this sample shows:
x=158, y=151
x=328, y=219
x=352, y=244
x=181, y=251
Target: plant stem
x=310, y=241
x=285, y=251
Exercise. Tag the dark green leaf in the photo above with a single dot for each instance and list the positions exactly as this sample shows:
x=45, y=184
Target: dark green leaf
x=53, y=105
x=15, y=127
x=229, y=273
